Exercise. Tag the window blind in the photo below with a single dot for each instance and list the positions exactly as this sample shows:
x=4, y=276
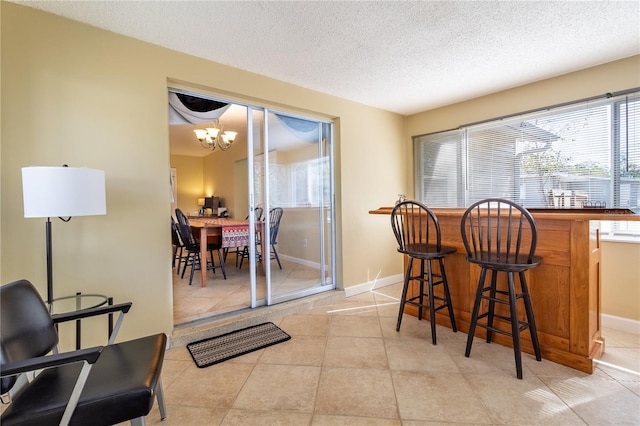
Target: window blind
x=439, y=172
x=627, y=131
x=576, y=155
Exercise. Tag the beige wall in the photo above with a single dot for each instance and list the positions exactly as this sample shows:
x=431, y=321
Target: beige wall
x=219, y=177
x=77, y=95
x=189, y=182
x=621, y=279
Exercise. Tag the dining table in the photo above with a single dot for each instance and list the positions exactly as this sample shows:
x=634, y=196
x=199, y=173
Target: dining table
x=234, y=233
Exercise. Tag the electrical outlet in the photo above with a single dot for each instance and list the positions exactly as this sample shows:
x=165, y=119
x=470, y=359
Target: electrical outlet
x=304, y=243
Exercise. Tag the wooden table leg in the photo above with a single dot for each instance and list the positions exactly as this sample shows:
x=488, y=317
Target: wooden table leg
x=203, y=255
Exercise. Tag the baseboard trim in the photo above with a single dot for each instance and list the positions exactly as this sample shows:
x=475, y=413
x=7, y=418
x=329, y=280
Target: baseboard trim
x=622, y=324
x=299, y=261
x=372, y=285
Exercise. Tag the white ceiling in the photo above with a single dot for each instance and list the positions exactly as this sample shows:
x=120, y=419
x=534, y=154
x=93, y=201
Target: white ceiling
x=396, y=55
x=400, y=56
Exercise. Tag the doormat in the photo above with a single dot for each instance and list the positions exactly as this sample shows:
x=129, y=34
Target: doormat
x=230, y=345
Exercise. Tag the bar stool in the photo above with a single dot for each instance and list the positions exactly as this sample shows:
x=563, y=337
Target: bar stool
x=500, y=236
x=418, y=234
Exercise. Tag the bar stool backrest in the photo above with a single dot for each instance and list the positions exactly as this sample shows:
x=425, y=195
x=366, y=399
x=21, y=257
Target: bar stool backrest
x=499, y=232
x=416, y=228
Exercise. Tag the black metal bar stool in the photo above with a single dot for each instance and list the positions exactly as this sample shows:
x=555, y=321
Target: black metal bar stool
x=418, y=233
x=500, y=236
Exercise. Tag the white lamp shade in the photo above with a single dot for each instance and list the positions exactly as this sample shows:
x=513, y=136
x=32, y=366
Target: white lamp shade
x=229, y=136
x=213, y=131
x=200, y=133
x=63, y=192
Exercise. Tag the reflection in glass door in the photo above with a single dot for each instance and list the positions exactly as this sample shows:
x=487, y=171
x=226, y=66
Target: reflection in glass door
x=291, y=184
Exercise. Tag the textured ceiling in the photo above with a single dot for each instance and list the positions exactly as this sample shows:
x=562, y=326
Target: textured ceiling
x=400, y=56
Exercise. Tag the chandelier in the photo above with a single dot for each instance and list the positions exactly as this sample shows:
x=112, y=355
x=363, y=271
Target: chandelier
x=214, y=136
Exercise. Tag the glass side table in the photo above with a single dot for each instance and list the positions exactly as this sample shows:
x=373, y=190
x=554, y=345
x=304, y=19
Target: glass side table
x=80, y=302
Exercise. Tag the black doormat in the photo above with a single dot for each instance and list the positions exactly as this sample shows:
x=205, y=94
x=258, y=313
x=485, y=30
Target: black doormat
x=230, y=345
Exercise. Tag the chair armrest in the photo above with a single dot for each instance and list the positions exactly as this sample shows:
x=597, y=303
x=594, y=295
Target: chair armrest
x=86, y=313
x=90, y=355
x=123, y=308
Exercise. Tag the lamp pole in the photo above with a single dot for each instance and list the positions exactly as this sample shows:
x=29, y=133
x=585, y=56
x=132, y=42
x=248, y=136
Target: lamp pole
x=49, y=263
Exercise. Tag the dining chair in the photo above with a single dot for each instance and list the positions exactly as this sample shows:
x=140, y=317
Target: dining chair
x=243, y=253
x=102, y=385
x=500, y=236
x=258, y=211
x=193, y=253
x=182, y=218
x=417, y=232
x=275, y=216
x=178, y=247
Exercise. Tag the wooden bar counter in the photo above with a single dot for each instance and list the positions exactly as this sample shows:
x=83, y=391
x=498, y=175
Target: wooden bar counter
x=565, y=289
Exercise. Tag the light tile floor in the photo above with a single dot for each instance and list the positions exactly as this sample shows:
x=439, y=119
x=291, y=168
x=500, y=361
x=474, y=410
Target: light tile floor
x=346, y=365
x=220, y=296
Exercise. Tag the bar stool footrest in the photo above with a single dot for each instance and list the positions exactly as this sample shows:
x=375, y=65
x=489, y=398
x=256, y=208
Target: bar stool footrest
x=522, y=325
x=412, y=301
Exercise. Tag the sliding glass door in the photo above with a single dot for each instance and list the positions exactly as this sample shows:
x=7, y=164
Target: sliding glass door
x=278, y=175
x=291, y=189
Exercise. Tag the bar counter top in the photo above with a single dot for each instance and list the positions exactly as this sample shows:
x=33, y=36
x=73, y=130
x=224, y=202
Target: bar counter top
x=544, y=213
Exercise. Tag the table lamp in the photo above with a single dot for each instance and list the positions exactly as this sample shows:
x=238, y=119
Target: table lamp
x=61, y=192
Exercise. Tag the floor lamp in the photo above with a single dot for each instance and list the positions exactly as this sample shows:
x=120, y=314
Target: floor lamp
x=61, y=192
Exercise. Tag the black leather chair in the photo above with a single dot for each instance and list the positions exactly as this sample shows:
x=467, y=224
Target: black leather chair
x=418, y=235
x=500, y=236
x=102, y=385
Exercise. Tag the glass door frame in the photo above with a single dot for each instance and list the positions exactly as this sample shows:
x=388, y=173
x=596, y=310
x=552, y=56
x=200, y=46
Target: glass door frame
x=270, y=299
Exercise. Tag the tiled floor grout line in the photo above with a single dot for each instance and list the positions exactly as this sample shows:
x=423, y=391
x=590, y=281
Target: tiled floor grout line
x=386, y=353
x=556, y=382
